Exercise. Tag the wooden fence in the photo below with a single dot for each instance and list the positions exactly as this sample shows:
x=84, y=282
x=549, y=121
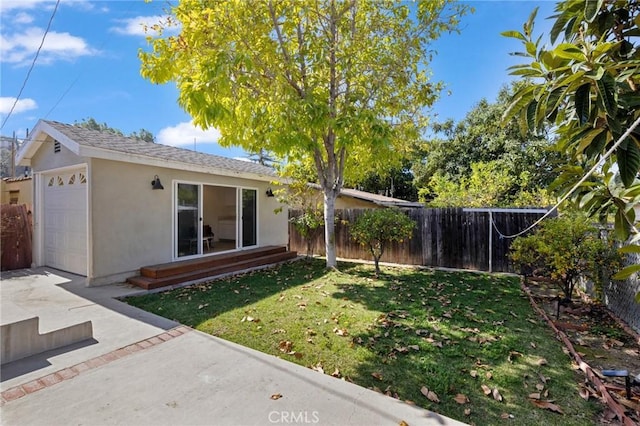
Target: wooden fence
x=15, y=234
x=451, y=238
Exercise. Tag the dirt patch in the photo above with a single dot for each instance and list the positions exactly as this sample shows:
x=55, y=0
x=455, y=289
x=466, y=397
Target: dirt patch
x=600, y=341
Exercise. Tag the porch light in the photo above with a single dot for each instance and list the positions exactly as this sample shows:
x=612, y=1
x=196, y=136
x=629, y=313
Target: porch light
x=269, y=192
x=156, y=183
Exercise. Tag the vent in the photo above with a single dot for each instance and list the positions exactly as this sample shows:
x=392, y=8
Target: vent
x=56, y=147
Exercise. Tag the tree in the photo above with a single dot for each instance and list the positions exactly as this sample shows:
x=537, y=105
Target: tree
x=526, y=161
x=339, y=84
x=587, y=86
x=397, y=183
x=377, y=228
x=566, y=249
x=92, y=124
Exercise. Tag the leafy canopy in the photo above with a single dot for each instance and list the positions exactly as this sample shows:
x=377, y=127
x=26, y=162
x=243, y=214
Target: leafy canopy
x=586, y=85
x=339, y=84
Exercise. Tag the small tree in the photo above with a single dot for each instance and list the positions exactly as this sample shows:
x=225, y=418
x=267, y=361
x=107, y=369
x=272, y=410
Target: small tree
x=566, y=249
x=309, y=224
x=378, y=227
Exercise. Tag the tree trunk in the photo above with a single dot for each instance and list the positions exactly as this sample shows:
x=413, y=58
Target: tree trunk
x=330, y=226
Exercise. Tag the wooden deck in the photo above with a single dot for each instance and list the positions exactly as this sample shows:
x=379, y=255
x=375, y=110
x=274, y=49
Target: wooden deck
x=167, y=274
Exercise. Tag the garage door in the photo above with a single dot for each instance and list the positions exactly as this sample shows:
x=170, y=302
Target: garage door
x=65, y=221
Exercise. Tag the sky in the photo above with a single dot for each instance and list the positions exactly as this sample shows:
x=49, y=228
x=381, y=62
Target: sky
x=88, y=66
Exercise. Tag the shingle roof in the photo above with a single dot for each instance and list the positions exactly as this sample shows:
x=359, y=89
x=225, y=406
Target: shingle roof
x=129, y=145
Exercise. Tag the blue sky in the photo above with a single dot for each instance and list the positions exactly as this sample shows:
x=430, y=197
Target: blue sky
x=88, y=66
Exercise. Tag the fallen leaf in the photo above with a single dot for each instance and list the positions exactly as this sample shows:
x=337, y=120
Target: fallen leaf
x=276, y=396
x=535, y=395
x=285, y=345
x=376, y=375
x=461, y=399
x=403, y=423
x=496, y=394
x=541, y=361
x=473, y=373
x=489, y=375
x=546, y=405
x=414, y=347
x=467, y=411
x=318, y=368
x=584, y=393
x=341, y=331
x=431, y=395
x=298, y=355
x=533, y=345
x=486, y=389
x=336, y=373
x=540, y=387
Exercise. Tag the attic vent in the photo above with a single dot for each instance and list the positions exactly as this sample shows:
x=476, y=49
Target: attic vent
x=56, y=146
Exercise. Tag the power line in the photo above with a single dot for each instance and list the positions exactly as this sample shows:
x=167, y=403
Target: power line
x=576, y=186
x=35, y=58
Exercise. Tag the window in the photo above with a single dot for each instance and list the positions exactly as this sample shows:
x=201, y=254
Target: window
x=14, y=196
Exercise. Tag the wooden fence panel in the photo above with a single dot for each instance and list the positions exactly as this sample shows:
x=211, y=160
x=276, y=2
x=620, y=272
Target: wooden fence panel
x=451, y=238
x=15, y=235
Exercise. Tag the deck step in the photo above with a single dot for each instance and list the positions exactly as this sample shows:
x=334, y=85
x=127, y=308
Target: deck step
x=179, y=267
x=196, y=269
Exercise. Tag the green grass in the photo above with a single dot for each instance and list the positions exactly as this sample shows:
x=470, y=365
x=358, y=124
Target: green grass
x=408, y=329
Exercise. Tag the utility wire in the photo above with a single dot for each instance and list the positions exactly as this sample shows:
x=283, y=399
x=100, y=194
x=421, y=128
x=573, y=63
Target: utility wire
x=576, y=186
x=35, y=58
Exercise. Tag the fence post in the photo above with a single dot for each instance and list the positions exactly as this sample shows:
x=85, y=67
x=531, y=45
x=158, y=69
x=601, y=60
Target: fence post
x=490, y=241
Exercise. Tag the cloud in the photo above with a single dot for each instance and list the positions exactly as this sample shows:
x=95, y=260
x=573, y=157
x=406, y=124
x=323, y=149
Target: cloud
x=23, y=105
x=20, y=48
x=23, y=18
x=143, y=26
x=184, y=134
x=7, y=5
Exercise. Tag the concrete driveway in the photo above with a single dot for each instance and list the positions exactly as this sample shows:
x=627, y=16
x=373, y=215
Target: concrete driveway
x=141, y=369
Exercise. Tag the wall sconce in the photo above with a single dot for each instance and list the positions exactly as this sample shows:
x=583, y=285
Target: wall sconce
x=269, y=193
x=156, y=183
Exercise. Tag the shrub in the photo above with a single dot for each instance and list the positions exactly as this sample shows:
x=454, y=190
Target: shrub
x=376, y=228
x=566, y=249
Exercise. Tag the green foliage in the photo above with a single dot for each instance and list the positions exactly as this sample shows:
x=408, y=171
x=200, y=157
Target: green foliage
x=338, y=84
x=92, y=124
x=487, y=186
x=526, y=164
x=587, y=86
x=566, y=249
x=377, y=228
x=396, y=183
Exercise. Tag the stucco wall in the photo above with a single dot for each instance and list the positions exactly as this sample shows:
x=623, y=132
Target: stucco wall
x=132, y=223
x=24, y=188
x=46, y=159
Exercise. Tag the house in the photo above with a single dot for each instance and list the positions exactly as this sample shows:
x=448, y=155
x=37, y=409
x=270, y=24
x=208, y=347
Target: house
x=106, y=205
x=16, y=190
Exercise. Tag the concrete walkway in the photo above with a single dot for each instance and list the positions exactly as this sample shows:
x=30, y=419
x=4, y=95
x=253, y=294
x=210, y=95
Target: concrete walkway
x=141, y=369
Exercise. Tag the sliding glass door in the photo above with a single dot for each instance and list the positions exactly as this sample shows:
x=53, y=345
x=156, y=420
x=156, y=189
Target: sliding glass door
x=249, y=217
x=211, y=219
x=187, y=220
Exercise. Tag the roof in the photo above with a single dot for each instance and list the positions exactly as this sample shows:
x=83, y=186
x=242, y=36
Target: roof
x=16, y=179
x=378, y=199
x=107, y=145
x=381, y=200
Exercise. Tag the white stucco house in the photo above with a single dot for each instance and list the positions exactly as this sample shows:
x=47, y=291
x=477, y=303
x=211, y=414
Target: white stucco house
x=106, y=205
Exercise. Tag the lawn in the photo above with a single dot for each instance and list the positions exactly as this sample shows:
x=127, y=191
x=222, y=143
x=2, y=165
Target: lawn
x=465, y=345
